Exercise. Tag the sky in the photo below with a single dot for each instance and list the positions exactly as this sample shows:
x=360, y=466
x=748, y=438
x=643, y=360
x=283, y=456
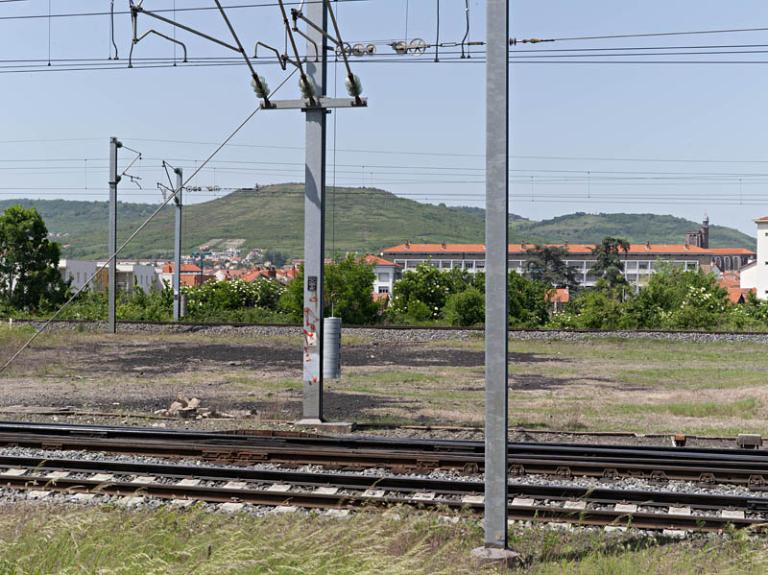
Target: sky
x=677, y=133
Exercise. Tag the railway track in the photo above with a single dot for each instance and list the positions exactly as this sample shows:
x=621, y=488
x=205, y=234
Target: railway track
x=234, y=489
x=708, y=466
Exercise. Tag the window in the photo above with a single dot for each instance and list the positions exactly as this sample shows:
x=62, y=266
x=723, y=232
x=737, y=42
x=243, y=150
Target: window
x=384, y=277
x=631, y=265
x=469, y=265
x=383, y=289
x=643, y=265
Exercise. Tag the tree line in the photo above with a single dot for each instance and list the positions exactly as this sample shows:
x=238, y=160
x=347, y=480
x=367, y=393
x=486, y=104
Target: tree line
x=31, y=286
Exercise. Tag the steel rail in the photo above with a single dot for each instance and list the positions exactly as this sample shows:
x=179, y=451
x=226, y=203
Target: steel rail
x=656, y=463
x=655, y=509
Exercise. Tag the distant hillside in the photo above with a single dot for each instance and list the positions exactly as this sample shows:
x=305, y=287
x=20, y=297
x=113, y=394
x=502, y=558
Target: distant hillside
x=358, y=219
x=637, y=228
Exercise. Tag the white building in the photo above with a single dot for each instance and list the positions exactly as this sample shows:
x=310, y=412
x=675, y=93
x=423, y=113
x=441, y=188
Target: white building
x=77, y=272
x=755, y=274
x=386, y=273
x=129, y=275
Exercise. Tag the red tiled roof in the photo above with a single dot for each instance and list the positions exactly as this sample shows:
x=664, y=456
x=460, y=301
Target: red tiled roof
x=185, y=268
x=762, y=220
x=572, y=249
x=731, y=251
x=377, y=261
x=735, y=294
x=730, y=280
x=559, y=295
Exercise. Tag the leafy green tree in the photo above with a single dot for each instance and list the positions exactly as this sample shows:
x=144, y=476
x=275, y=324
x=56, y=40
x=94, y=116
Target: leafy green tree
x=526, y=300
x=608, y=266
x=547, y=265
x=592, y=309
x=465, y=308
x=29, y=274
x=677, y=299
x=427, y=285
x=348, y=289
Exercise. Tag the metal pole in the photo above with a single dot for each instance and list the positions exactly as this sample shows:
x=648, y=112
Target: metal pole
x=496, y=239
x=177, y=247
x=114, y=179
x=314, y=220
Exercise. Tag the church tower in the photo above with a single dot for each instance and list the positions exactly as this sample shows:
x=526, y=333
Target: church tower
x=705, y=232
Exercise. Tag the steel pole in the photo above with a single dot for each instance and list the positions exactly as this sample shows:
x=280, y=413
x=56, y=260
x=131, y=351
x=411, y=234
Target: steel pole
x=114, y=179
x=177, y=247
x=496, y=240
x=314, y=218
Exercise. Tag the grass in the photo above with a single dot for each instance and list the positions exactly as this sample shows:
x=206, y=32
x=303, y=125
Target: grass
x=51, y=539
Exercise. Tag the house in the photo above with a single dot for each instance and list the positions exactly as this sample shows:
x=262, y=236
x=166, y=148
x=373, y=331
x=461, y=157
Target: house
x=755, y=274
x=385, y=274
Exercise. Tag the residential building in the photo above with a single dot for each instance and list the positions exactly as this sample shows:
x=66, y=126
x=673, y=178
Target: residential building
x=129, y=275
x=639, y=262
x=385, y=272
x=755, y=275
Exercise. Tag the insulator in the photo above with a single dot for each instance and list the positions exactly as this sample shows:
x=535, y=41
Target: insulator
x=400, y=47
x=417, y=46
x=307, y=87
x=358, y=50
x=370, y=49
x=261, y=88
x=354, y=86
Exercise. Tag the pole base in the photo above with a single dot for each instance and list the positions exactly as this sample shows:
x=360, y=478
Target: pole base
x=498, y=556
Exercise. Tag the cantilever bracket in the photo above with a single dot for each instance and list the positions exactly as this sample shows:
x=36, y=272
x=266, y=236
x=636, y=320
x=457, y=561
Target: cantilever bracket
x=321, y=104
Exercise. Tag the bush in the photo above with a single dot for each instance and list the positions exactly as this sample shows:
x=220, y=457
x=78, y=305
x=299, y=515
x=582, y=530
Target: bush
x=465, y=308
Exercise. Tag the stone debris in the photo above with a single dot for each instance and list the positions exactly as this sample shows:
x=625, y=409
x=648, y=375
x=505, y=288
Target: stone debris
x=190, y=408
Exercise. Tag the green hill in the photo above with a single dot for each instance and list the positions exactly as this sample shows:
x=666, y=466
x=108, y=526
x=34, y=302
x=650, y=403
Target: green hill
x=358, y=219
x=636, y=228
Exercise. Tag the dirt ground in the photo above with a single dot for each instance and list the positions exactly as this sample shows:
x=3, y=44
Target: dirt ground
x=245, y=381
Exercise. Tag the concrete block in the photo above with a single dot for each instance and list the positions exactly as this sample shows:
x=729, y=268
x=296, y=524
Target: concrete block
x=83, y=497
x=473, y=499
x=143, y=479
x=38, y=494
x=686, y=511
x=327, y=490
x=235, y=485
x=16, y=472
x=523, y=502
x=183, y=503
x=279, y=488
x=675, y=533
x=326, y=426
x=502, y=557
x=374, y=493
x=625, y=508
x=749, y=440
x=285, y=509
x=188, y=483
x=231, y=507
x=427, y=496
x=130, y=501
x=102, y=477
x=732, y=514
x=57, y=475
x=575, y=505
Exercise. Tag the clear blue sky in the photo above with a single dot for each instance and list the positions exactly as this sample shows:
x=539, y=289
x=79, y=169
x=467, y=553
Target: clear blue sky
x=579, y=131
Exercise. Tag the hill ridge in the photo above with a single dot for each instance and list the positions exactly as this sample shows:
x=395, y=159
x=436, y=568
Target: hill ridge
x=357, y=219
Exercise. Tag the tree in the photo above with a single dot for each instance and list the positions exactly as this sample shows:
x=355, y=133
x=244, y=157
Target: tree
x=29, y=262
x=427, y=285
x=466, y=307
x=547, y=265
x=348, y=289
x=608, y=266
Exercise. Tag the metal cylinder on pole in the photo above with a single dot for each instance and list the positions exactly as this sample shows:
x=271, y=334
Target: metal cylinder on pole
x=114, y=179
x=332, y=348
x=177, y=307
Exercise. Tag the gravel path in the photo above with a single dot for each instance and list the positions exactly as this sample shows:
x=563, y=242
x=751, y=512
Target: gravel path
x=404, y=335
